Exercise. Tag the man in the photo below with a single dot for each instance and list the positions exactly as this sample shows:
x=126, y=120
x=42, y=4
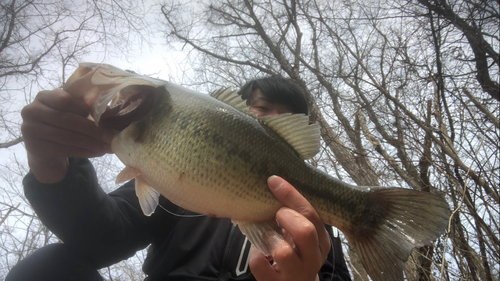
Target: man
x=100, y=229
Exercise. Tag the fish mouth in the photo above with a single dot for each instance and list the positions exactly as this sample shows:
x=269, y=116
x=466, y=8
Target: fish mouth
x=132, y=104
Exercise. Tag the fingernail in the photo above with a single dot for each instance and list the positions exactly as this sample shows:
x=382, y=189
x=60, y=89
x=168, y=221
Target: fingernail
x=274, y=182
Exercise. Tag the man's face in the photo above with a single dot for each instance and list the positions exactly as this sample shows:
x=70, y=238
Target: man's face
x=261, y=106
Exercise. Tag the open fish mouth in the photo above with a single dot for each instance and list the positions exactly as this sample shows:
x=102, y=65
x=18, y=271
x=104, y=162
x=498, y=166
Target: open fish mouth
x=134, y=102
x=117, y=98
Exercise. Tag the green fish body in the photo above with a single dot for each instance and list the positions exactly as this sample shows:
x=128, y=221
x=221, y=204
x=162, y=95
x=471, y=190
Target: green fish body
x=210, y=155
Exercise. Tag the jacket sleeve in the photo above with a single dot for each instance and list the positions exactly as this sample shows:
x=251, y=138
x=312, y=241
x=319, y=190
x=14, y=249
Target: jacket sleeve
x=335, y=267
x=105, y=228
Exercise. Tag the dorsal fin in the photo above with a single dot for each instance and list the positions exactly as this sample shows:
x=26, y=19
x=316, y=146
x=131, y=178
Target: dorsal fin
x=296, y=130
x=293, y=128
x=231, y=97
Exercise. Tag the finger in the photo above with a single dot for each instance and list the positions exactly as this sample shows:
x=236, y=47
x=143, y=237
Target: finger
x=61, y=100
x=37, y=113
x=260, y=266
x=286, y=257
x=287, y=237
x=68, y=138
x=61, y=150
x=305, y=237
x=82, y=87
x=52, y=150
x=290, y=197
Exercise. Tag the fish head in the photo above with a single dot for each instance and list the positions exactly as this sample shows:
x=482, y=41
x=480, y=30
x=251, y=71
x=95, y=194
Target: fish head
x=123, y=144
x=116, y=97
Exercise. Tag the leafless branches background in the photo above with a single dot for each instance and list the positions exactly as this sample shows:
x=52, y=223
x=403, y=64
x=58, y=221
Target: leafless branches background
x=406, y=94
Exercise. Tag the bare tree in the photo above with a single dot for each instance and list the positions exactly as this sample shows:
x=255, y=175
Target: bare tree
x=41, y=43
x=405, y=93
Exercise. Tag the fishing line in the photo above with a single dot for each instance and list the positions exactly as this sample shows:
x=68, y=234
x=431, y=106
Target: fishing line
x=179, y=215
x=333, y=256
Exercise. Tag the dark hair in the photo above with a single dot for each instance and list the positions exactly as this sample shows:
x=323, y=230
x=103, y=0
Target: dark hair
x=277, y=90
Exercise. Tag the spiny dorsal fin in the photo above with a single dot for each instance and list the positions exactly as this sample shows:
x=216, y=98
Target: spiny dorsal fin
x=293, y=128
x=296, y=130
x=231, y=97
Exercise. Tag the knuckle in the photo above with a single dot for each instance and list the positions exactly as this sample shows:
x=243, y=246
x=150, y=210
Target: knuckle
x=285, y=252
x=61, y=98
x=42, y=94
x=29, y=128
x=26, y=111
x=31, y=111
x=56, y=98
x=307, y=231
x=307, y=212
x=25, y=129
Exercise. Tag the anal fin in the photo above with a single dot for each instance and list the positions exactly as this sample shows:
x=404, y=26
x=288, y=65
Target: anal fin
x=264, y=236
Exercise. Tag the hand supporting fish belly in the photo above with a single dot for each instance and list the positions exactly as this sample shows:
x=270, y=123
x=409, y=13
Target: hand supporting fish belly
x=306, y=243
x=210, y=155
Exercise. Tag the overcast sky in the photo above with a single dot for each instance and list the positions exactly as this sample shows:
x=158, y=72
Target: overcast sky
x=156, y=59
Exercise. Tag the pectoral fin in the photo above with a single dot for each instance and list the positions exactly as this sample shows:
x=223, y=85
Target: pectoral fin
x=264, y=236
x=128, y=173
x=148, y=197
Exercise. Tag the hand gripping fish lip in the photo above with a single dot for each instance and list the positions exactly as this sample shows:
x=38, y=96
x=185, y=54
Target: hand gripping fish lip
x=117, y=99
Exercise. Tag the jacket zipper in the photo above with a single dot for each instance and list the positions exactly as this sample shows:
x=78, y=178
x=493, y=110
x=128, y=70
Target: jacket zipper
x=225, y=260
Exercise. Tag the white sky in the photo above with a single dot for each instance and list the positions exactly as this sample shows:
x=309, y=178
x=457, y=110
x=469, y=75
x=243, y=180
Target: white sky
x=156, y=59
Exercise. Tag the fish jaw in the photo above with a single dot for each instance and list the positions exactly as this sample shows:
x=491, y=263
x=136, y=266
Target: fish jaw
x=116, y=97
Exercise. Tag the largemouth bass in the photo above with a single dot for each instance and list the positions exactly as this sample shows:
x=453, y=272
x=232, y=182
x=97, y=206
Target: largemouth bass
x=210, y=155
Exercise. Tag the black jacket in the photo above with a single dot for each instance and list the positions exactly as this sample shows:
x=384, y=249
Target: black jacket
x=107, y=228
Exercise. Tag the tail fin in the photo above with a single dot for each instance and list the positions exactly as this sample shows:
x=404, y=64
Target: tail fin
x=399, y=220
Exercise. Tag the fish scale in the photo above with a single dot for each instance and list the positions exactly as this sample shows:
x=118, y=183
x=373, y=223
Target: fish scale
x=212, y=156
x=168, y=159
